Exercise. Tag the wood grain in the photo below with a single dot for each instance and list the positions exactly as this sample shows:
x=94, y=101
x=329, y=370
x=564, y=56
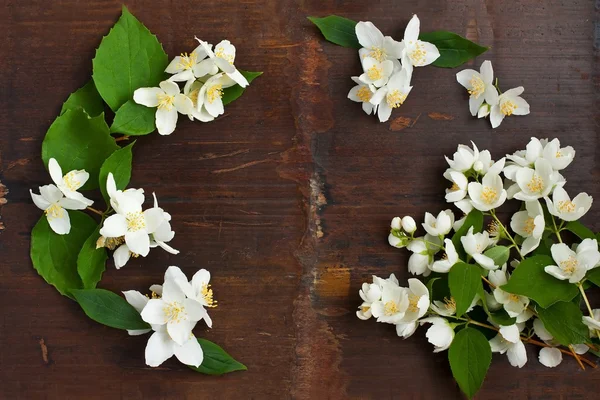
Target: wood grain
x=287, y=198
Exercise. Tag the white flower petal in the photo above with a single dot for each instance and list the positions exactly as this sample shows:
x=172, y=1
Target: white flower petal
x=147, y=96
x=368, y=35
x=60, y=224
x=154, y=312
x=550, y=357
x=136, y=299
x=39, y=200
x=114, y=226
x=121, y=255
x=166, y=120
x=411, y=33
x=55, y=171
x=190, y=353
x=138, y=242
x=160, y=348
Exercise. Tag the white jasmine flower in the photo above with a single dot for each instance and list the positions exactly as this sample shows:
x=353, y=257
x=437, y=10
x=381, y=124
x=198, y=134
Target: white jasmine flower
x=550, y=357
x=192, y=92
x=440, y=334
x=563, y=207
x=416, y=53
x=163, y=232
x=210, y=95
x=408, y=224
x=223, y=57
x=509, y=103
x=362, y=93
x=475, y=244
x=375, y=45
x=52, y=201
x=168, y=102
x=369, y=293
x=440, y=225
x=179, y=313
x=418, y=301
x=393, y=304
x=535, y=183
x=423, y=250
x=376, y=73
x=510, y=343
x=514, y=305
x=488, y=194
x=392, y=95
x=197, y=289
x=450, y=258
x=593, y=322
x=188, y=67
x=529, y=224
x=559, y=157
x=458, y=190
x=480, y=86
x=70, y=183
x=573, y=265
x=161, y=346
x=406, y=330
x=464, y=158
x=523, y=158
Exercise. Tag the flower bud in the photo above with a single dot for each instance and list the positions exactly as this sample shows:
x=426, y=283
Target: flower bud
x=395, y=241
x=484, y=111
x=396, y=223
x=408, y=224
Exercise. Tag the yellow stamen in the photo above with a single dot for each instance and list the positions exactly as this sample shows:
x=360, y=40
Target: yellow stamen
x=135, y=221
x=375, y=73
x=493, y=228
x=395, y=98
x=71, y=182
x=566, y=206
x=529, y=226
x=378, y=53
x=221, y=54
x=215, y=92
x=417, y=56
x=207, y=295
x=188, y=61
x=193, y=95
x=508, y=107
x=165, y=101
x=450, y=303
x=454, y=187
x=477, y=86
x=513, y=297
x=54, y=211
x=390, y=308
x=536, y=185
x=569, y=265
x=413, y=303
x=364, y=94
x=175, y=312
x=489, y=195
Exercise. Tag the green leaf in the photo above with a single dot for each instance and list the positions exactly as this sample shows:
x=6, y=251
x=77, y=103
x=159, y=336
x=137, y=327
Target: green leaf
x=564, y=321
x=475, y=220
x=470, y=356
x=232, y=93
x=454, y=49
x=529, y=279
x=79, y=142
x=499, y=254
x=501, y=317
x=216, y=360
x=128, y=58
x=86, y=97
x=91, y=262
x=338, y=30
x=109, y=309
x=465, y=282
x=134, y=119
x=593, y=276
x=119, y=163
x=54, y=256
x=580, y=230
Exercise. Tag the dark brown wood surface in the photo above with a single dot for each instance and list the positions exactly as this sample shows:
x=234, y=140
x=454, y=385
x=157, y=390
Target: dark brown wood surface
x=287, y=198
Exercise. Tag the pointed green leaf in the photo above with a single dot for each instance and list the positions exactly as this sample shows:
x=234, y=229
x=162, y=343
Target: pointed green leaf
x=79, y=142
x=119, y=163
x=109, y=309
x=232, y=93
x=470, y=356
x=593, y=276
x=582, y=231
x=216, y=360
x=465, y=282
x=338, y=30
x=134, y=119
x=499, y=254
x=564, y=321
x=529, y=279
x=86, y=97
x=128, y=58
x=54, y=256
x=91, y=262
x=454, y=49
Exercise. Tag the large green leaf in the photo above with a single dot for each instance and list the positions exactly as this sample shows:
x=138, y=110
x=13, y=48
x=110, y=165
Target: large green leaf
x=338, y=30
x=454, y=49
x=86, y=97
x=470, y=356
x=499, y=254
x=475, y=220
x=594, y=276
x=134, y=119
x=216, y=360
x=54, y=256
x=529, y=279
x=582, y=231
x=564, y=321
x=119, y=163
x=109, y=309
x=128, y=58
x=465, y=282
x=79, y=142
x=91, y=262
x=233, y=92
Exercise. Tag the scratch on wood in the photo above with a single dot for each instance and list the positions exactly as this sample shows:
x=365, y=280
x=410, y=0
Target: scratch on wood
x=219, y=225
x=17, y=163
x=212, y=156
x=44, y=351
x=401, y=123
x=440, y=116
x=246, y=165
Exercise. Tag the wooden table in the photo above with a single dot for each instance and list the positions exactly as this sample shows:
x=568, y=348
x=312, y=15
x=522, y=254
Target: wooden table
x=287, y=198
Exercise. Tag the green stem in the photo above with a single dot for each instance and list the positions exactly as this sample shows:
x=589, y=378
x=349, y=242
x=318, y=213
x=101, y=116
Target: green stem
x=556, y=230
x=587, y=304
x=507, y=234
